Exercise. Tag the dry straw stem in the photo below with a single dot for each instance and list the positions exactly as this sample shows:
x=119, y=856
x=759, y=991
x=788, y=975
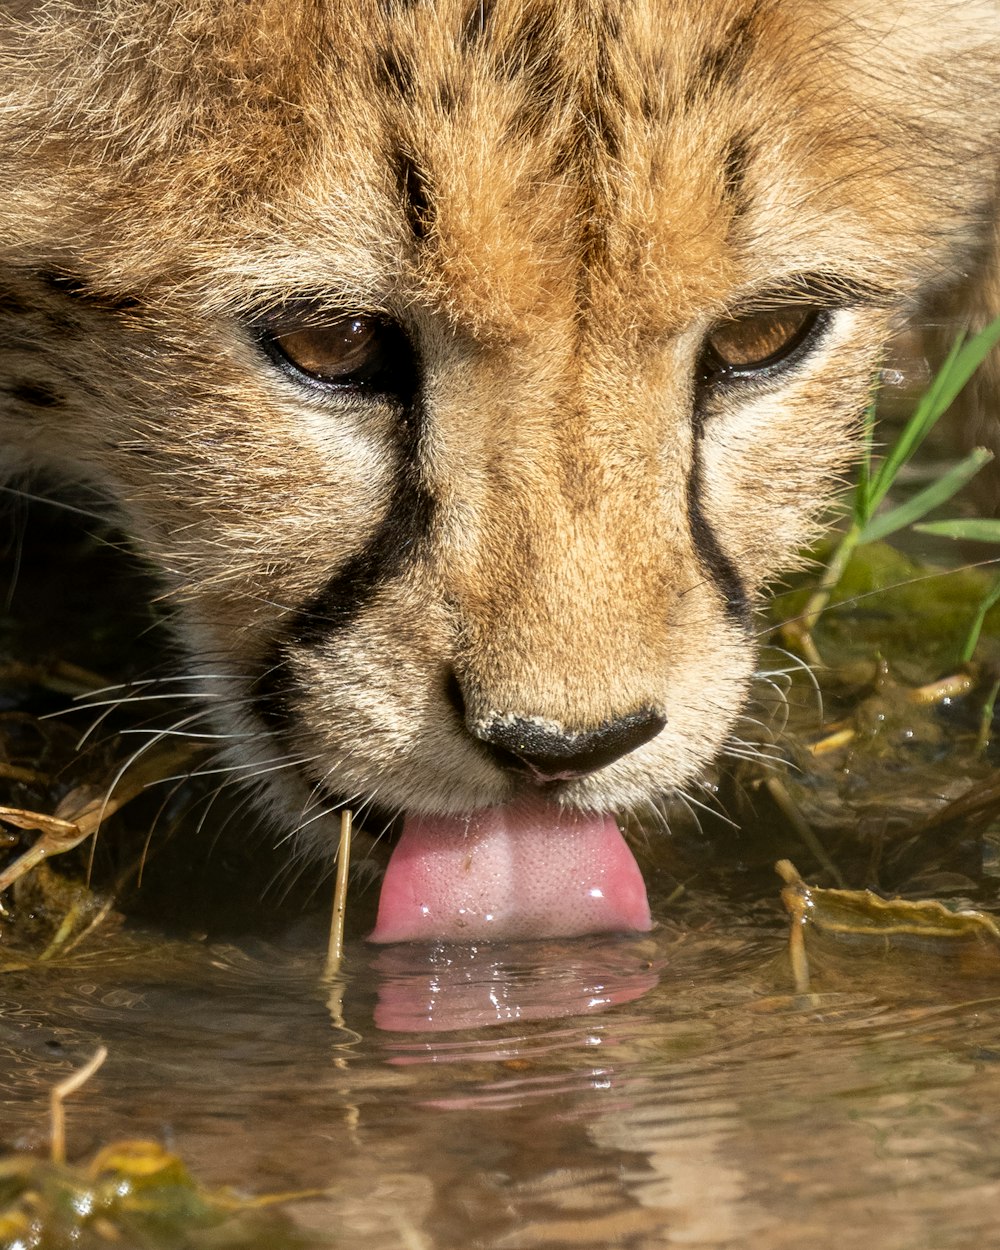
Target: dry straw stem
x=335, y=950
x=795, y=897
x=83, y=810
x=860, y=913
x=61, y=1092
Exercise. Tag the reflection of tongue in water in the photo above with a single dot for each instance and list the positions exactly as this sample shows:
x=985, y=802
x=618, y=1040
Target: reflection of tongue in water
x=523, y=871
x=443, y=987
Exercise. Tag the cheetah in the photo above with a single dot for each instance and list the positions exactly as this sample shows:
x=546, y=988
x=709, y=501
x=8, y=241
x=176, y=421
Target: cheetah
x=468, y=367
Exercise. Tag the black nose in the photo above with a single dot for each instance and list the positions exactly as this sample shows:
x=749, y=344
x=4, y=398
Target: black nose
x=547, y=753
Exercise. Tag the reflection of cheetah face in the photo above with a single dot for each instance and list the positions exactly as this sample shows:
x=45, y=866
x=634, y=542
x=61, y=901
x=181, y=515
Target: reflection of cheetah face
x=467, y=368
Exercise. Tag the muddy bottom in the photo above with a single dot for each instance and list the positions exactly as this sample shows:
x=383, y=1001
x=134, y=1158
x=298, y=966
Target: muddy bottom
x=668, y=1091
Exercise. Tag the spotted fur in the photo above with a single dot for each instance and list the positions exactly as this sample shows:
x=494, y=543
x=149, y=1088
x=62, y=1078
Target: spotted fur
x=564, y=526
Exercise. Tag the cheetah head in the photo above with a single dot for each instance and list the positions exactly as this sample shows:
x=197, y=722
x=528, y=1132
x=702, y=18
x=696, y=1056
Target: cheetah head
x=468, y=370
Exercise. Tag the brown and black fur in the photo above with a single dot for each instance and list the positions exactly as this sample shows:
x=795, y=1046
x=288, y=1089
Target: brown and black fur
x=557, y=201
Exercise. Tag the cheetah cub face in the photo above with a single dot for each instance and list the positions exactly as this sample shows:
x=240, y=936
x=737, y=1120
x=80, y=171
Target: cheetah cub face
x=468, y=368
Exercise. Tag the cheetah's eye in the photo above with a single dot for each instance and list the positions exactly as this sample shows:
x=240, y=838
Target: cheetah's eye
x=750, y=344
x=352, y=350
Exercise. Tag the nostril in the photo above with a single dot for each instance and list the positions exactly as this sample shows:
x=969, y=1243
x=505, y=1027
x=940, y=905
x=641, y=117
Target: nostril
x=549, y=753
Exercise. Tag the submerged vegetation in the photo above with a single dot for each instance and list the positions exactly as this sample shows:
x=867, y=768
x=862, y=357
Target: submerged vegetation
x=131, y=1193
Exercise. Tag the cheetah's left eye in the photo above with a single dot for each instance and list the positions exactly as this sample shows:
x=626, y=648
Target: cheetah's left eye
x=353, y=350
x=748, y=345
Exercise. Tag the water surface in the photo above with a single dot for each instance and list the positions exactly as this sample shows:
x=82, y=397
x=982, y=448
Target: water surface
x=655, y=1092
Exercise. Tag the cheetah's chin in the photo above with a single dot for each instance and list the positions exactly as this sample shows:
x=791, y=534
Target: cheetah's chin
x=528, y=870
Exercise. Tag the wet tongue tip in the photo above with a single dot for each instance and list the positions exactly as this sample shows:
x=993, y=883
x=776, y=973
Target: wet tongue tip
x=522, y=871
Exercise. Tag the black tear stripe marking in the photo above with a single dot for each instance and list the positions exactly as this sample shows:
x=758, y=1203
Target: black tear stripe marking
x=273, y=693
x=396, y=542
x=713, y=559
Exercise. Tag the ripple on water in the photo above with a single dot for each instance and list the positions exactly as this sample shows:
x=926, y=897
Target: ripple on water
x=643, y=1093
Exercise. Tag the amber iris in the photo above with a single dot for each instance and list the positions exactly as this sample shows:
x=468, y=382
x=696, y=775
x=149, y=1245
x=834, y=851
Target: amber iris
x=758, y=340
x=342, y=349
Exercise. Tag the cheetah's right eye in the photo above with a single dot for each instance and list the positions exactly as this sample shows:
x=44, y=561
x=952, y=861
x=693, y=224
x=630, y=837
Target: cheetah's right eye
x=758, y=341
x=353, y=350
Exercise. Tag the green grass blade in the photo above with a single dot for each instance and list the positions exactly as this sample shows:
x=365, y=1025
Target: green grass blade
x=973, y=529
x=975, y=630
x=924, y=501
x=967, y=360
x=960, y=364
x=861, y=506
x=914, y=432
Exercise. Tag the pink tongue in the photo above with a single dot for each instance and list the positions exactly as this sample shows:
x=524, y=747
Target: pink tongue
x=510, y=872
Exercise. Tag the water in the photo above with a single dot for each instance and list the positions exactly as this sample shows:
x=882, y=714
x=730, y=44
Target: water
x=707, y=1107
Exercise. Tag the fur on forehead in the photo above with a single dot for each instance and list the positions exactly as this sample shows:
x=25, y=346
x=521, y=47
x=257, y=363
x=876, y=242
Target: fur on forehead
x=494, y=158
